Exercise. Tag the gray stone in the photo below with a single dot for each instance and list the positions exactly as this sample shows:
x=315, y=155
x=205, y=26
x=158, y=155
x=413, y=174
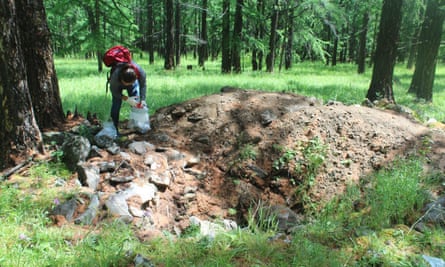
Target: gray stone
x=117, y=205
x=90, y=213
x=266, y=117
x=160, y=179
x=75, y=150
x=66, y=209
x=107, y=166
x=140, y=148
x=113, y=149
x=122, y=179
x=89, y=175
x=146, y=192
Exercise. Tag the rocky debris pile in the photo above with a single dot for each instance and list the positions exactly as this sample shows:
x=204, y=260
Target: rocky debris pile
x=212, y=159
x=127, y=181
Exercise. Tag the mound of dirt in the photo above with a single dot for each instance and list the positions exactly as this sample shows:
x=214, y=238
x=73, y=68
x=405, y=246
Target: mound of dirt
x=217, y=156
x=272, y=147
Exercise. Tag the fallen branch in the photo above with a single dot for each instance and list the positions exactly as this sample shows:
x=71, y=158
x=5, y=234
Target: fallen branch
x=5, y=174
x=421, y=218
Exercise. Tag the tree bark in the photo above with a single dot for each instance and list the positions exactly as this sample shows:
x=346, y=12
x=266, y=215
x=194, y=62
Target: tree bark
x=288, y=58
x=19, y=134
x=429, y=42
x=178, y=33
x=38, y=58
x=169, y=61
x=361, y=57
x=386, y=52
x=225, y=39
x=237, y=36
x=202, y=49
x=150, y=19
x=270, y=58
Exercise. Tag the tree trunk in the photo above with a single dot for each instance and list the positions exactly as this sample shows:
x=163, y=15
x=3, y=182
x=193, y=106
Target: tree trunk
x=150, y=48
x=290, y=39
x=361, y=57
x=270, y=58
x=19, y=134
x=225, y=39
x=237, y=36
x=178, y=33
x=429, y=42
x=334, y=51
x=169, y=61
x=202, y=49
x=257, y=54
x=413, y=48
x=386, y=52
x=38, y=58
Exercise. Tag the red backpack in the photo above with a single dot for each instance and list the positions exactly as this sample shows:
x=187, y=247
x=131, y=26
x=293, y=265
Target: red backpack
x=115, y=55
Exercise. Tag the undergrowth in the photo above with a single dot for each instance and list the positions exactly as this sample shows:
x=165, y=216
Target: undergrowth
x=370, y=224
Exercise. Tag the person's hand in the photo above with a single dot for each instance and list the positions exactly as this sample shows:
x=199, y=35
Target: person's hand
x=124, y=97
x=141, y=104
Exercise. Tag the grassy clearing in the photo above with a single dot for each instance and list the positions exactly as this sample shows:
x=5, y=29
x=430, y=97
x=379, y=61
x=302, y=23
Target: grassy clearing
x=83, y=87
x=369, y=225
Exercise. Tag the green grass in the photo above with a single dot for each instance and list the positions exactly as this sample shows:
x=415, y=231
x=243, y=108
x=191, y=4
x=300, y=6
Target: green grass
x=83, y=87
x=369, y=225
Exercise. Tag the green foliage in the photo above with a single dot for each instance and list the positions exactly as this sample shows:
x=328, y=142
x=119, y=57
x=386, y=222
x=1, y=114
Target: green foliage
x=303, y=162
x=261, y=219
x=395, y=195
x=248, y=152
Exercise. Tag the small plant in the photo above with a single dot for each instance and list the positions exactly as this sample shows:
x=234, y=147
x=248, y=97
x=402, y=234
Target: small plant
x=261, y=219
x=248, y=152
x=284, y=160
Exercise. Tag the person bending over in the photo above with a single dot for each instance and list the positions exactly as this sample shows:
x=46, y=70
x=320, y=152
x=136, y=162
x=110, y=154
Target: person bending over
x=132, y=78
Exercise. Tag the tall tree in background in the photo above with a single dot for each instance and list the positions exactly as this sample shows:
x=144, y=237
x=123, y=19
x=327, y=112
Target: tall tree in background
x=290, y=36
x=237, y=37
x=19, y=133
x=270, y=58
x=203, y=42
x=428, y=48
x=257, y=53
x=41, y=74
x=226, y=61
x=150, y=32
x=386, y=52
x=361, y=55
x=178, y=33
x=169, y=61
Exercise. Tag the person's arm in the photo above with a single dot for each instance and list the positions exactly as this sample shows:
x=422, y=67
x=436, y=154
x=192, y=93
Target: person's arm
x=142, y=83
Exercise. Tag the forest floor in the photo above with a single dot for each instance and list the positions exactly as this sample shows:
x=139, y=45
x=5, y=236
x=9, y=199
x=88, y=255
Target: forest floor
x=243, y=139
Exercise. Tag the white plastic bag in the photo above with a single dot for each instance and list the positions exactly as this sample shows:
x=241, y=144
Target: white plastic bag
x=132, y=100
x=139, y=120
x=106, y=136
